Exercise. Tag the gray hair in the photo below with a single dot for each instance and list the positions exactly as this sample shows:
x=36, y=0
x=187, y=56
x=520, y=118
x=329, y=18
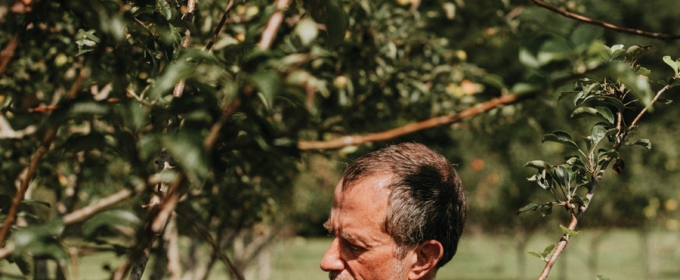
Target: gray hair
x=426, y=200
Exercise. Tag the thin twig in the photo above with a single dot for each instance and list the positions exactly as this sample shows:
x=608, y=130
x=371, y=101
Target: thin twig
x=219, y=26
x=656, y=97
x=188, y=17
x=655, y=35
x=273, y=24
x=8, y=51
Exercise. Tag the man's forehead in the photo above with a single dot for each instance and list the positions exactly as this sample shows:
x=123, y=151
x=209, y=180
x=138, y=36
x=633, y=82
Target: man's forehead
x=364, y=200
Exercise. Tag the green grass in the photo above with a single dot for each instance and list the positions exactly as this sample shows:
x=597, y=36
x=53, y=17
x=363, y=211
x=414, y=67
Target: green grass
x=485, y=257
x=479, y=257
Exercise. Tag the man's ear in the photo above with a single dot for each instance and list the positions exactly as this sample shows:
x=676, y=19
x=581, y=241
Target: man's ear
x=425, y=258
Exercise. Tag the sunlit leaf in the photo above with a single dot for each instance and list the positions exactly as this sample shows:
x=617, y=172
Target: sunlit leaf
x=672, y=63
x=306, y=30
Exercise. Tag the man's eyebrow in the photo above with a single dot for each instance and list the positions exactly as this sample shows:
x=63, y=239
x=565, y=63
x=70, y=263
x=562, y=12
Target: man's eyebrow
x=345, y=235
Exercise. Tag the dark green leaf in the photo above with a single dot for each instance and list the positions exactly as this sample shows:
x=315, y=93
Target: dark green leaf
x=330, y=13
x=530, y=206
x=560, y=137
x=605, y=113
x=268, y=82
x=583, y=35
x=538, y=164
x=605, y=100
x=30, y=201
x=566, y=94
x=110, y=219
x=188, y=151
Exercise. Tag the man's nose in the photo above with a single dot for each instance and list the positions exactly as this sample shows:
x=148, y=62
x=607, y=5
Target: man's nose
x=332, y=261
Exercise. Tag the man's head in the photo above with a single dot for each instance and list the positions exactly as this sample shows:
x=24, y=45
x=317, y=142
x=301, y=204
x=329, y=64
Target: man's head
x=397, y=213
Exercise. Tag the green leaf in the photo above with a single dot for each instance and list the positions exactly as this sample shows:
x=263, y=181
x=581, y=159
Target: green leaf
x=605, y=100
x=548, y=249
x=605, y=113
x=268, y=82
x=30, y=201
x=607, y=153
x=600, y=277
x=535, y=255
x=538, y=164
x=528, y=207
x=638, y=84
x=598, y=132
x=40, y=240
x=569, y=232
x=644, y=143
x=583, y=111
x=583, y=35
x=643, y=71
x=566, y=94
x=110, y=219
x=527, y=59
x=672, y=63
x=188, y=151
x=330, y=13
x=494, y=80
x=560, y=137
x=174, y=73
x=563, y=176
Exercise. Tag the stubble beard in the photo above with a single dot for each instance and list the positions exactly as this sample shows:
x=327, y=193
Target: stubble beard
x=397, y=273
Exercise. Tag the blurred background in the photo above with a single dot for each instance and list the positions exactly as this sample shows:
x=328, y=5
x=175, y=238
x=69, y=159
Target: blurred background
x=333, y=68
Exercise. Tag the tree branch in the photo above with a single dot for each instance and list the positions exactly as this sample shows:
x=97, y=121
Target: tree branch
x=273, y=24
x=352, y=140
x=8, y=51
x=21, y=192
x=655, y=35
x=227, y=112
x=219, y=26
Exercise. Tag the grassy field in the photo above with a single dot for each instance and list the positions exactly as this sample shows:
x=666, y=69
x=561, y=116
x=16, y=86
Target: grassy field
x=479, y=258
x=484, y=257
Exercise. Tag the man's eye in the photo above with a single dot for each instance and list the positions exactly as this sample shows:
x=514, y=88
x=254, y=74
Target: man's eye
x=355, y=248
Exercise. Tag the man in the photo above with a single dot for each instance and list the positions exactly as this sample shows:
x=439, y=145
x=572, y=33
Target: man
x=397, y=214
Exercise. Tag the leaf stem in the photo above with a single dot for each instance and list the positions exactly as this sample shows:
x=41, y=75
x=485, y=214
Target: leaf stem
x=656, y=97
